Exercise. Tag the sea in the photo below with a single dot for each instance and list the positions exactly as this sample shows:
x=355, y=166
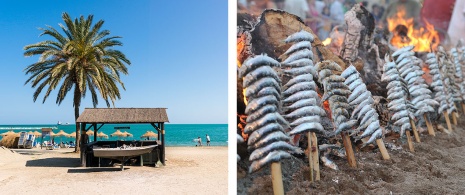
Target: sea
x=175, y=134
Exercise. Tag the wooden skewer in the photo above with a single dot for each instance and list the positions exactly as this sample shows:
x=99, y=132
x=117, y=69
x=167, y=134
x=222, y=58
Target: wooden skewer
x=449, y=126
x=349, y=150
x=429, y=125
x=409, y=141
x=310, y=159
x=415, y=132
x=316, y=161
x=277, y=178
x=382, y=149
x=463, y=108
x=454, y=118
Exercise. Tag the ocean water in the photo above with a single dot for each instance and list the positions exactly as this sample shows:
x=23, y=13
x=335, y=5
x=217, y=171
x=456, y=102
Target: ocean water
x=175, y=134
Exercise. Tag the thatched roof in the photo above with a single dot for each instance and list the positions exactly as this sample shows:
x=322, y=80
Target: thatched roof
x=123, y=115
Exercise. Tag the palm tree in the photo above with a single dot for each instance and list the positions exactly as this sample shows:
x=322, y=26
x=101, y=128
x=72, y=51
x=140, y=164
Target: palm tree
x=81, y=60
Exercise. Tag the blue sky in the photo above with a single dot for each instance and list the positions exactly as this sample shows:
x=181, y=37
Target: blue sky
x=178, y=52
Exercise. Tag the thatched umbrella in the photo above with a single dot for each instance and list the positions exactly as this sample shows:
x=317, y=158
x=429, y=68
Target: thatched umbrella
x=71, y=135
x=117, y=133
x=61, y=133
x=37, y=134
x=127, y=134
x=149, y=134
x=102, y=135
x=90, y=133
x=9, y=133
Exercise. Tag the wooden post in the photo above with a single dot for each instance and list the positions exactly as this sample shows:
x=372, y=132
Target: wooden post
x=429, y=125
x=349, y=150
x=382, y=149
x=277, y=178
x=449, y=126
x=162, y=127
x=409, y=141
x=316, y=161
x=310, y=159
x=415, y=132
x=454, y=118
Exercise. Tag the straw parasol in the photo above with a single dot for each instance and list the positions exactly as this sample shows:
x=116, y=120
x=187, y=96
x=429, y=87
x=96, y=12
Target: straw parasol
x=127, y=134
x=149, y=134
x=117, y=133
x=71, y=135
x=37, y=134
x=90, y=133
x=9, y=133
x=102, y=135
x=61, y=133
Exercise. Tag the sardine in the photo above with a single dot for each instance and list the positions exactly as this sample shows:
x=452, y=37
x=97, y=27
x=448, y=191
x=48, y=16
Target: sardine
x=396, y=116
x=404, y=127
x=420, y=98
x=355, y=83
x=345, y=126
x=397, y=101
x=403, y=63
x=299, y=36
x=301, y=95
x=351, y=79
x=302, y=86
x=305, y=111
x=359, y=107
x=301, y=70
x=374, y=136
x=369, y=130
x=420, y=91
x=363, y=111
x=328, y=65
x=270, y=108
x=371, y=113
x=397, y=107
x=258, y=103
x=332, y=86
x=365, y=95
x=299, y=63
x=405, y=55
x=340, y=111
x=260, y=72
x=298, y=46
x=260, y=84
x=266, y=119
x=349, y=71
x=263, y=151
x=341, y=92
x=334, y=105
x=324, y=74
x=328, y=163
x=268, y=91
x=396, y=95
x=357, y=92
x=275, y=136
x=401, y=121
x=308, y=127
x=255, y=62
x=256, y=135
x=306, y=119
x=274, y=156
x=298, y=79
x=402, y=50
x=302, y=103
x=304, y=53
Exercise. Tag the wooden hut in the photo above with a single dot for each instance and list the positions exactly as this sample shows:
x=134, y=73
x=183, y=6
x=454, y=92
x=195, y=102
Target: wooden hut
x=93, y=117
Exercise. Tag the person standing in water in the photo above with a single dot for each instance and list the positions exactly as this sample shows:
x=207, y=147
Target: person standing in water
x=208, y=140
x=200, y=141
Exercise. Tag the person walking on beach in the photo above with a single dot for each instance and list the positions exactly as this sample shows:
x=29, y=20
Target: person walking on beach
x=208, y=140
x=200, y=141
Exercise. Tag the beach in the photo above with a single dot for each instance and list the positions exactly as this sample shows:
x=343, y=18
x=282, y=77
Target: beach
x=188, y=170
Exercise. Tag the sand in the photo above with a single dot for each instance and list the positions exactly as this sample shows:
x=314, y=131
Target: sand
x=436, y=167
x=188, y=170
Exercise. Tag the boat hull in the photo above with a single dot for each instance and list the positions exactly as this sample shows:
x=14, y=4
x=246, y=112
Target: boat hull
x=119, y=153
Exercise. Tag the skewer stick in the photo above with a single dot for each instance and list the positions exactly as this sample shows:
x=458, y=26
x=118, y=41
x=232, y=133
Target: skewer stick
x=382, y=149
x=449, y=126
x=277, y=178
x=316, y=161
x=429, y=125
x=454, y=118
x=415, y=132
x=349, y=150
x=463, y=108
x=409, y=141
x=310, y=159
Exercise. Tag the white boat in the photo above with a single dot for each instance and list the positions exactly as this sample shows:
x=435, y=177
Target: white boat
x=122, y=153
x=59, y=123
x=117, y=153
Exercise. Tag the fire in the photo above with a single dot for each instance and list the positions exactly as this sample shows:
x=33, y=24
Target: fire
x=327, y=41
x=326, y=107
x=405, y=34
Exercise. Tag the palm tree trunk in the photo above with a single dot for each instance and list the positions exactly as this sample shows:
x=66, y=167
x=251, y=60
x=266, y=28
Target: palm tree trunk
x=77, y=102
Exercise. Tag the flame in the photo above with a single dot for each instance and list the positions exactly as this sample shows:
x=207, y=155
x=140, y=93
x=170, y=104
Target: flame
x=326, y=107
x=243, y=93
x=421, y=38
x=241, y=125
x=327, y=41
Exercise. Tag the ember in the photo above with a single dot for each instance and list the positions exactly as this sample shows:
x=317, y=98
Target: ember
x=405, y=34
